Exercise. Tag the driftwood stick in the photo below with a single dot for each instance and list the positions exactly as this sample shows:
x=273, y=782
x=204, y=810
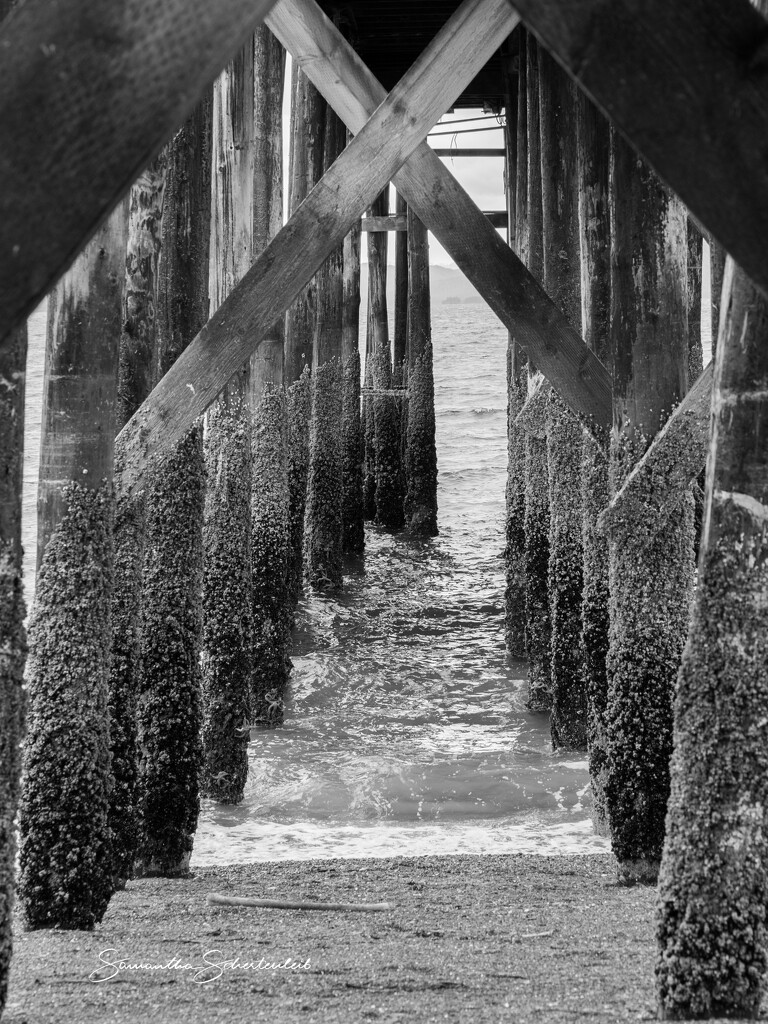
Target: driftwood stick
x=245, y=901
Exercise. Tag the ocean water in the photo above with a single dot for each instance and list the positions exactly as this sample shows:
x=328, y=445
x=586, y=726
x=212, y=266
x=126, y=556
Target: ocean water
x=405, y=727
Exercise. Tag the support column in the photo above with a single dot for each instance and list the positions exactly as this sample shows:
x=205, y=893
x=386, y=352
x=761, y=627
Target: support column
x=270, y=512
x=537, y=619
x=227, y=571
x=325, y=480
x=169, y=712
x=137, y=369
x=651, y=568
x=517, y=364
x=13, y=642
x=712, y=886
x=421, y=457
x=352, y=513
x=695, y=353
x=65, y=855
x=717, y=257
x=390, y=485
x=562, y=282
x=306, y=168
x=593, y=152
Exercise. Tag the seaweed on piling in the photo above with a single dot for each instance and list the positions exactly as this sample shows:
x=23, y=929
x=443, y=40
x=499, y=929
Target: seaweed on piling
x=65, y=849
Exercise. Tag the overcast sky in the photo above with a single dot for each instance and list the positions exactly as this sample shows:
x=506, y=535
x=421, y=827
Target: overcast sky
x=482, y=177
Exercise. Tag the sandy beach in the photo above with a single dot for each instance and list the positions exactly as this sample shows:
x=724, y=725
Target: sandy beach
x=468, y=938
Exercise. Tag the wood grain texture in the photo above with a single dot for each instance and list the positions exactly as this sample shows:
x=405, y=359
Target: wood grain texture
x=88, y=94
x=686, y=83
x=80, y=378
x=315, y=229
x=538, y=326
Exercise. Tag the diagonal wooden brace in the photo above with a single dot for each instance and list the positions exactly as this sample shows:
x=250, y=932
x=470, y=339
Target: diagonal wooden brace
x=534, y=321
x=89, y=92
x=676, y=456
x=451, y=60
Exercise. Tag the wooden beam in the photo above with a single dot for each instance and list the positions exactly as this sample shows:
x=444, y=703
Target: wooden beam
x=88, y=95
x=684, y=82
x=390, y=222
x=499, y=153
x=675, y=458
x=538, y=326
x=450, y=61
x=396, y=222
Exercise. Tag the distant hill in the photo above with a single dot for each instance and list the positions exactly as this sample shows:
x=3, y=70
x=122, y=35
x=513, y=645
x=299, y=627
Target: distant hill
x=446, y=286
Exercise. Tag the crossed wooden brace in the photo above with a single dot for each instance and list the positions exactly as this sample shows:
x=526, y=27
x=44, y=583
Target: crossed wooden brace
x=676, y=105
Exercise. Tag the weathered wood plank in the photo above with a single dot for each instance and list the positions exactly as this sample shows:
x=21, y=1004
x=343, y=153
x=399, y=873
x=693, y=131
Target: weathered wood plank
x=445, y=208
x=315, y=229
x=670, y=76
x=70, y=72
x=676, y=456
x=390, y=222
x=451, y=153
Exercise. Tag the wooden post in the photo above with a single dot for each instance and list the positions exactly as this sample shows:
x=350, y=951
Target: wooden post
x=169, y=704
x=13, y=643
x=517, y=372
x=420, y=505
x=712, y=886
x=136, y=372
x=400, y=337
x=227, y=575
x=65, y=856
x=593, y=152
x=306, y=169
x=651, y=569
x=562, y=282
x=352, y=512
x=270, y=512
x=325, y=480
x=386, y=460
x=537, y=618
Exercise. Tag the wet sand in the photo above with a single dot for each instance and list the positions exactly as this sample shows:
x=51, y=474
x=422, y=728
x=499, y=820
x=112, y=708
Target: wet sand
x=468, y=938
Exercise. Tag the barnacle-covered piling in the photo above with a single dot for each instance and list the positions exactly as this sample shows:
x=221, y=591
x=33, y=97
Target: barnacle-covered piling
x=537, y=614
x=420, y=454
x=136, y=372
x=13, y=643
x=650, y=564
x=593, y=148
x=368, y=430
x=712, y=886
x=325, y=479
x=65, y=853
x=169, y=713
x=517, y=383
x=562, y=282
x=323, y=530
x=227, y=599
x=270, y=542
x=13, y=640
x=299, y=417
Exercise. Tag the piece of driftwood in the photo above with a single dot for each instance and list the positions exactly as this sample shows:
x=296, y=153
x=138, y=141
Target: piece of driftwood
x=245, y=901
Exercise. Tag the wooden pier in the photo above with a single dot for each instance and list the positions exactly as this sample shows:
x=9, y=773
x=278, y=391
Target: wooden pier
x=212, y=440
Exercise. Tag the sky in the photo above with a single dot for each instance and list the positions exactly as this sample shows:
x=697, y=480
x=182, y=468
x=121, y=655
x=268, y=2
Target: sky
x=481, y=177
